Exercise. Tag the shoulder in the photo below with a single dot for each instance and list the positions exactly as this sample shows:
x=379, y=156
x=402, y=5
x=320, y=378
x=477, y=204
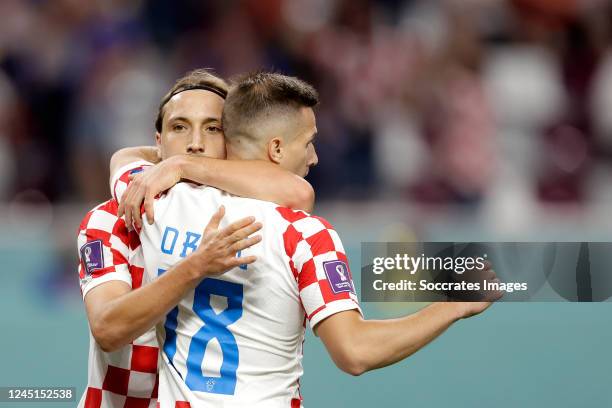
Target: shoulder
x=316, y=232
x=302, y=221
x=102, y=222
x=102, y=212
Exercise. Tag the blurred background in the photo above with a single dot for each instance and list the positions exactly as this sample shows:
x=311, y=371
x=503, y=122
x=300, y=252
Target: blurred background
x=465, y=120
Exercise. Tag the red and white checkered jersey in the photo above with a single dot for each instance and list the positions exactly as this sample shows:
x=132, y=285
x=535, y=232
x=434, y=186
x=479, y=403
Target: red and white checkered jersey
x=236, y=340
x=126, y=378
x=121, y=178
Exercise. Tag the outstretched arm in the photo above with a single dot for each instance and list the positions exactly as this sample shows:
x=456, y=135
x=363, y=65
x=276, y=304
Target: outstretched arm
x=357, y=345
x=329, y=299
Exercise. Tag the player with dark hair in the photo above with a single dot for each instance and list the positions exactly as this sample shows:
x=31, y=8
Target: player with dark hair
x=235, y=339
x=123, y=357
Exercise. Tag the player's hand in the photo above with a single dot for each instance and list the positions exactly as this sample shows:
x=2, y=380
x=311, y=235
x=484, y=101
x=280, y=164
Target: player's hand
x=216, y=253
x=487, y=297
x=144, y=187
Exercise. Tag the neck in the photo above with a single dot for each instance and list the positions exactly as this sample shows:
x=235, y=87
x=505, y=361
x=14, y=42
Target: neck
x=243, y=151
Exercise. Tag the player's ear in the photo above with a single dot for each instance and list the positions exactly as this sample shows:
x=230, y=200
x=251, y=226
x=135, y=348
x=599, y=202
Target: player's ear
x=275, y=150
x=158, y=144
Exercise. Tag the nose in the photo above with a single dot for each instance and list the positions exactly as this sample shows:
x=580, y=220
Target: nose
x=314, y=160
x=196, y=146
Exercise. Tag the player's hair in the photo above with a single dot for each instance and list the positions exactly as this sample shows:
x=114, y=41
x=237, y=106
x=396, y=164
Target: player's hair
x=201, y=78
x=259, y=96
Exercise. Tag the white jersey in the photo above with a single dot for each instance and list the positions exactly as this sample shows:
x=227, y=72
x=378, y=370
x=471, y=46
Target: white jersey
x=236, y=340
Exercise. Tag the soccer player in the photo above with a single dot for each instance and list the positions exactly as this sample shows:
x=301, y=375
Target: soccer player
x=122, y=361
x=236, y=340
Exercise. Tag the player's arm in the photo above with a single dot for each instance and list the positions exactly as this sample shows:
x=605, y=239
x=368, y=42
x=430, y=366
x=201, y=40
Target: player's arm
x=128, y=155
x=247, y=178
x=258, y=179
x=328, y=295
x=357, y=345
x=117, y=315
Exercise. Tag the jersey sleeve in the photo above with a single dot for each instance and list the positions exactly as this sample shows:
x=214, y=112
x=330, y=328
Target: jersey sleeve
x=319, y=264
x=103, y=246
x=121, y=178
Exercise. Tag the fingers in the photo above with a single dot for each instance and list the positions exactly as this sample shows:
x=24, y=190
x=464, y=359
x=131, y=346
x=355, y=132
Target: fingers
x=148, y=205
x=128, y=214
x=136, y=215
x=215, y=220
x=245, y=260
x=121, y=209
x=245, y=243
x=235, y=226
x=244, y=232
x=131, y=200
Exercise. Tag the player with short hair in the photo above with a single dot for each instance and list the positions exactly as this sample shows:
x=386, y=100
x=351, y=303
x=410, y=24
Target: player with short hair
x=236, y=340
x=123, y=360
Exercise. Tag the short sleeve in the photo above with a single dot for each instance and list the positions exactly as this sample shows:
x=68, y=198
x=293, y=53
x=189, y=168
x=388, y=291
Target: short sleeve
x=121, y=178
x=319, y=262
x=103, y=247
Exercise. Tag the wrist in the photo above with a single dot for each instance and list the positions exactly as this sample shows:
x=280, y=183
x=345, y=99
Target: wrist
x=176, y=166
x=185, y=165
x=197, y=169
x=194, y=267
x=453, y=310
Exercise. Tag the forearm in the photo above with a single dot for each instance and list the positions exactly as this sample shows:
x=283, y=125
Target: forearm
x=250, y=178
x=379, y=343
x=125, y=318
x=132, y=154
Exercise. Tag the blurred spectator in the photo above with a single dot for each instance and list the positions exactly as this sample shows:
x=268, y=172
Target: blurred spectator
x=433, y=101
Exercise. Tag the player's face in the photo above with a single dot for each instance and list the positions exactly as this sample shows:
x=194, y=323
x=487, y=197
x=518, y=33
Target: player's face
x=192, y=125
x=299, y=153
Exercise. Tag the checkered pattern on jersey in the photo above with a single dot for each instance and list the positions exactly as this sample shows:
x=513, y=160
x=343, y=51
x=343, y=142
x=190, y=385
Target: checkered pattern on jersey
x=310, y=242
x=121, y=257
x=121, y=178
x=128, y=377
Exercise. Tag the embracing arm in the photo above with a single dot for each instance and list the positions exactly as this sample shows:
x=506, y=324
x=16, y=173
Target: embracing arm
x=247, y=178
x=118, y=315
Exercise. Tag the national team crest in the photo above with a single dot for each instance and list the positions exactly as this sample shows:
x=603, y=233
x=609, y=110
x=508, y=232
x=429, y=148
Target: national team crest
x=338, y=276
x=92, y=256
